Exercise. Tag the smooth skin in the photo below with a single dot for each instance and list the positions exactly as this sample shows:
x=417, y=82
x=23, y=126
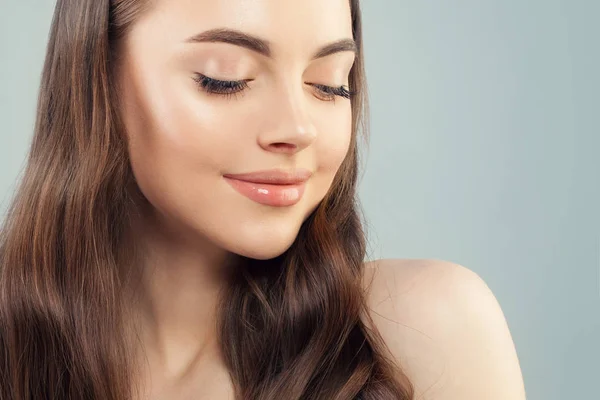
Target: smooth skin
x=182, y=140
x=443, y=324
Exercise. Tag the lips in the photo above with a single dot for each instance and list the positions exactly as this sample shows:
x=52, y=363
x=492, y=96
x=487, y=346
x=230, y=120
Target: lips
x=276, y=188
x=274, y=176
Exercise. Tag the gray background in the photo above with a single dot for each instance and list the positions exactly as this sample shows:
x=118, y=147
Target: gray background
x=484, y=151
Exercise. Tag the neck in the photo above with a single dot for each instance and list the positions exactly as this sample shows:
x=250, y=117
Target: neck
x=181, y=280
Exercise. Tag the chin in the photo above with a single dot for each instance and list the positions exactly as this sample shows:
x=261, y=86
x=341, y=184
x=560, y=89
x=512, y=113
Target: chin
x=262, y=242
x=262, y=254
x=264, y=248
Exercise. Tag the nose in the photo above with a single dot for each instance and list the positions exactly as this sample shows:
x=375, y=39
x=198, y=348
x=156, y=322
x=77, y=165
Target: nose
x=290, y=128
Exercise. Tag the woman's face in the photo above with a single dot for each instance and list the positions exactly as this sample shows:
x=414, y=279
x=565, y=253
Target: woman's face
x=183, y=139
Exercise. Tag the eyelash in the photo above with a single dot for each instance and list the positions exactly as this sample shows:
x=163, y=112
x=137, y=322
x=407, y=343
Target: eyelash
x=233, y=88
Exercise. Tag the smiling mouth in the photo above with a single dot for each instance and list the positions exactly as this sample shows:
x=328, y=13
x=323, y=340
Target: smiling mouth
x=275, y=195
x=274, y=176
x=274, y=187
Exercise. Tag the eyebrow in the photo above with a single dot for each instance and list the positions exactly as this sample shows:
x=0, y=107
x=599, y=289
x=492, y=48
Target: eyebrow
x=263, y=46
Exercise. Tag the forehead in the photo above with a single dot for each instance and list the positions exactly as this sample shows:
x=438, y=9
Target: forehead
x=289, y=25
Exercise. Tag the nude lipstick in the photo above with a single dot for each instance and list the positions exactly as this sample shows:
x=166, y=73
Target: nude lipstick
x=276, y=188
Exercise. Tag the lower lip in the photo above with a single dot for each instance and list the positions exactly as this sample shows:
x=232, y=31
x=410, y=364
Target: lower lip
x=267, y=194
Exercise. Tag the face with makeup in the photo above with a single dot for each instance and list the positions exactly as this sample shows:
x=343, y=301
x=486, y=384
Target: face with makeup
x=211, y=88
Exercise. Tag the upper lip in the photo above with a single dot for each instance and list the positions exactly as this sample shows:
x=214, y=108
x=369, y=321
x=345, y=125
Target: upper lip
x=274, y=176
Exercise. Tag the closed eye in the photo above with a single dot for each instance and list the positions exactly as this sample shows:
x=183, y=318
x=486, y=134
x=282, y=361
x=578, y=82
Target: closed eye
x=219, y=87
x=331, y=92
x=230, y=88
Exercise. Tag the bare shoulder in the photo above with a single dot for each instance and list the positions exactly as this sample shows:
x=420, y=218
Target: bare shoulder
x=445, y=328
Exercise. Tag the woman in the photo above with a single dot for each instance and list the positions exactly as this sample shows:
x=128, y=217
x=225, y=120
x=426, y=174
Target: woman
x=187, y=226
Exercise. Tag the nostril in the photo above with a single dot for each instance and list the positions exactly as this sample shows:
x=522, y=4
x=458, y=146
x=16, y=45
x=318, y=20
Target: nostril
x=284, y=146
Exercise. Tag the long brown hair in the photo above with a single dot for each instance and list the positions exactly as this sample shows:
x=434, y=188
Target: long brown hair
x=290, y=327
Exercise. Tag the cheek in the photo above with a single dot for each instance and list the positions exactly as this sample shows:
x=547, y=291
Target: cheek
x=178, y=144
x=330, y=149
x=177, y=129
x=177, y=133
x=333, y=142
